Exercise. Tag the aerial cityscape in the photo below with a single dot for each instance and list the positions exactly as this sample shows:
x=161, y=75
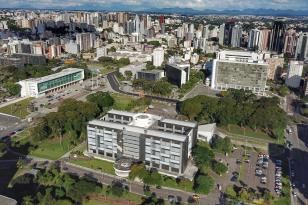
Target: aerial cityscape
x=154, y=102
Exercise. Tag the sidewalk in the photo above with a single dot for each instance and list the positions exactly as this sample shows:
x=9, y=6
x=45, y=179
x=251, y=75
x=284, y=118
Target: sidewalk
x=12, y=101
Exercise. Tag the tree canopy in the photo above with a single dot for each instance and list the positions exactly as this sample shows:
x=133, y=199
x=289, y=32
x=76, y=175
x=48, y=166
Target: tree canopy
x=238, y=107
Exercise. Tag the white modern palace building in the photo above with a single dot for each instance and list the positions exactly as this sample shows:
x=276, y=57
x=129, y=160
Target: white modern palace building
x=161, y=143
x=36, y=87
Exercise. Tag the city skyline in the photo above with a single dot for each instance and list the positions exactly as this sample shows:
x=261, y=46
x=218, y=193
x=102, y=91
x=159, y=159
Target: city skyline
x=158, y=4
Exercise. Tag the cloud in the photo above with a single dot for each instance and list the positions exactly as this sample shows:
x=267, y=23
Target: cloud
x=196, y=4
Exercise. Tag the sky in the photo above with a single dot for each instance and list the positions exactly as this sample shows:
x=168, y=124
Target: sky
x=145, y=4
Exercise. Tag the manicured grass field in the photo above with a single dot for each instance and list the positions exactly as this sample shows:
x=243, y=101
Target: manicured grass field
x=52, y=148
x=18, y=109
x=100, y=199
x=122, y=102
x=171, y=182
x=49, y=149
x=237, y=130
x=96, y=164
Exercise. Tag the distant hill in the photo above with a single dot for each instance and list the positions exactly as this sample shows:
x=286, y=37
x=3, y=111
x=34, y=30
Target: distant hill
x=175, y=10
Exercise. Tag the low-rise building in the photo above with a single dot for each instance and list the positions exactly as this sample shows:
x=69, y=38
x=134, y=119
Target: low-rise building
x=134, y=68
x=150, y=75
x=36, y=87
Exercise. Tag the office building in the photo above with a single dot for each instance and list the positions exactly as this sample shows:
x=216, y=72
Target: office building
x=163, y=144
x=277, y=37
x=239, y=70
x=294, y=74
x=36, y=87
x=236, y=36
x=253, y=39
x=177, y=74
x=301, y=52
x=158, y=57
x=10, y=61
x=150, y=75
x=30, y=59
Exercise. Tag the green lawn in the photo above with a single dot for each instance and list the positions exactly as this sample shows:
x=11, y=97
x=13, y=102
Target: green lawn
x=99, y=199
x=52, y=148
x=18, y=109
x=171, y=182
x=237, y=130
x=49, y=149
x=96, y=164
x=122, y=102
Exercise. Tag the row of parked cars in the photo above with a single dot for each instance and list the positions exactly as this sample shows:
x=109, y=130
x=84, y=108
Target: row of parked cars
x=278, y=172
x=262, y=163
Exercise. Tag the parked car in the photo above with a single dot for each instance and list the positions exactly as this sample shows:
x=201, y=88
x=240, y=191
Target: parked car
x=258, y=172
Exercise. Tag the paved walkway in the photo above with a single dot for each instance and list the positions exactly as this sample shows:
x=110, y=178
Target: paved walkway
x=12, y=101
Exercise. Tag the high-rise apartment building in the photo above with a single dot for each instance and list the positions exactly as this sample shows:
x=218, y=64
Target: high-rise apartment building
x=239, y=70
x=236, y=37
x=301, y=52
x=158, y=57
x=221, y=34
x=228, y=32
x=277, y=36
x=163, y=144
x=290, y=42
x=264, y=39
x=294, y=74
x=85, y=41
x=253, y=39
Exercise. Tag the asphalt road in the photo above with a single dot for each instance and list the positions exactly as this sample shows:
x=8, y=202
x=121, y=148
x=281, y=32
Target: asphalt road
x=212, y=199
x=116, y=87
x=299, y=162
x=9, y=124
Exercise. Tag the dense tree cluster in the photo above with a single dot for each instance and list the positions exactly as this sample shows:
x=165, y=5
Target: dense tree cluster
x=204, y=184
x=102, y=99
x=53, y=187
x=238, y=107
x=148, y=177
x=235, y=194
x=161, y=87
x=194, y=77
x=108, y=61
x=222, y=145
x=154, y=43
x=70, y=119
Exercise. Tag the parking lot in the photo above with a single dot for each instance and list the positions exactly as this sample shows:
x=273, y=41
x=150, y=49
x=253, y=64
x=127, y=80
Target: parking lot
x=248, y=168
